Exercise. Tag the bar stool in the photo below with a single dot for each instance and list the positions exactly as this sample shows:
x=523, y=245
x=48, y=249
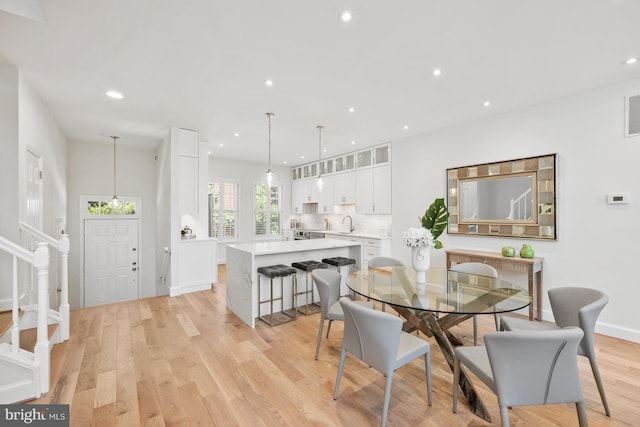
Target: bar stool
x=339, y=262
x=283, y=316
x=308, y=266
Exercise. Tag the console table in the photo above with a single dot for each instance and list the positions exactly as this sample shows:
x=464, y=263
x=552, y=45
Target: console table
x=531, y=266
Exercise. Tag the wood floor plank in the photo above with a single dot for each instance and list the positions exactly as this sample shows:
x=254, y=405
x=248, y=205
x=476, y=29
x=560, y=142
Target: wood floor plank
x=187, y=360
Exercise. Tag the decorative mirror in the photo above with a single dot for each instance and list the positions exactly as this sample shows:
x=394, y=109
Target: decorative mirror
x=514, y=198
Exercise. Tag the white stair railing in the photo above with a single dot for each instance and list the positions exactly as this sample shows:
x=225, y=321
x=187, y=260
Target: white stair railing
x=39, y=259
x=519, y=203
x=62, y=246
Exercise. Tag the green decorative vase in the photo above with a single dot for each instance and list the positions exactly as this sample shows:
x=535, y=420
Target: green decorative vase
x=527, y=251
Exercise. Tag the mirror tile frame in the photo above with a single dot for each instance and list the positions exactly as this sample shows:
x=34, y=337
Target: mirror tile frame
x=545, y=169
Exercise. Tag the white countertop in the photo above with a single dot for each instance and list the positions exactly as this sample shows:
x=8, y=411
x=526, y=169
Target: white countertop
x=361, y=235
x=277, y=247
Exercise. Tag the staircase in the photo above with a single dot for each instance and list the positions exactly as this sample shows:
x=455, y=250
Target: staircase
x=25, y=369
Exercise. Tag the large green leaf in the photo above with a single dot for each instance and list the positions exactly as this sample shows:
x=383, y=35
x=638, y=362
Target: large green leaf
x=435, y=219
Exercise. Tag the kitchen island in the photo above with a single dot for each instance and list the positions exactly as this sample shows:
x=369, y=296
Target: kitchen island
x=244, y=259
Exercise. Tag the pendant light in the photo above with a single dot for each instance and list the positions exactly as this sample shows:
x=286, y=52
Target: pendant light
x=320, y=181
x=115, y=202
x=269, y=175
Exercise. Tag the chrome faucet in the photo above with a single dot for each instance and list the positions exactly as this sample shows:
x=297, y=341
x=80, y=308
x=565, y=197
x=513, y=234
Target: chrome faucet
x=350, y=223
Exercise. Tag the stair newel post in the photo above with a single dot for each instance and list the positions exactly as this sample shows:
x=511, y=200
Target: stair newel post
x=15, y=329
x=41, y=351
x=63, y=246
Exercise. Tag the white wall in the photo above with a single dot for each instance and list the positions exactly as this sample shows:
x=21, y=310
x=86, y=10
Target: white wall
x=9, y=167
x=90, y=172
x=25, y=121
x=163, y=213
x=248, y=173
x=41, y=133
x=598, y=243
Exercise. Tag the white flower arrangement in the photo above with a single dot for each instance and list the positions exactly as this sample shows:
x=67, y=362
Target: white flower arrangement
x=418, y=237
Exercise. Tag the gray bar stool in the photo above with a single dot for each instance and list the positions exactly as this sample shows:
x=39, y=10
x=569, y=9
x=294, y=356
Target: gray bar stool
x=308, y=266
x=283, y=316
x=339, y=262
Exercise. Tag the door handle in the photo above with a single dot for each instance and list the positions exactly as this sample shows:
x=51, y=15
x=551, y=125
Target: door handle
x=134, y=263
x=134, y=269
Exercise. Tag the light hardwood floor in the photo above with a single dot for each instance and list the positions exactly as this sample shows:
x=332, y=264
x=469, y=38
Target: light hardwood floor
x=188, y=361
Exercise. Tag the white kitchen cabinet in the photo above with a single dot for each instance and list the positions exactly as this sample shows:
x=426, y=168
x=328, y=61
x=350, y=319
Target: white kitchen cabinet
x=297, y=194
x=371, y=247
x=373, y=187
x=345, y=188
x=364, y=158
x=382, y=155
x=188, y=162
x=198, y=266
x=326, y=197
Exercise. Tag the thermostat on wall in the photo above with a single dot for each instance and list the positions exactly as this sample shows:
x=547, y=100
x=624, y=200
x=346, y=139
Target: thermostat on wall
x=618, y=198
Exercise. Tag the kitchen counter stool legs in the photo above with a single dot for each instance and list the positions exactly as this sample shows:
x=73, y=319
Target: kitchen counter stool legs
x=310, y=306
x=283, y=316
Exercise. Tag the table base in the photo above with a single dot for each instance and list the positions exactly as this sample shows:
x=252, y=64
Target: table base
x=432, y=326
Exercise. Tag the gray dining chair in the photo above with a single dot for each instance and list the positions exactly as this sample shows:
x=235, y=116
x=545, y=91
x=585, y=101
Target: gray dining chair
x=377, y=339
x=383, y=261
x=478, y=269
x=328, y=286
x=526, y=368
x=571, y=306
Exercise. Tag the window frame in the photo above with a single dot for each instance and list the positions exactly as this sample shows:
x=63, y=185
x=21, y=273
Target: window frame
x=236, y=188
x=268, y=212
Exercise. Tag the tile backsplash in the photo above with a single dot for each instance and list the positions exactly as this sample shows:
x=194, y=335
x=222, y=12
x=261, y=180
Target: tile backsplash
x=365, y=224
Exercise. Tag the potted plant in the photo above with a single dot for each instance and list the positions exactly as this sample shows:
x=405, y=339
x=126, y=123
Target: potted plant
x=422, y=239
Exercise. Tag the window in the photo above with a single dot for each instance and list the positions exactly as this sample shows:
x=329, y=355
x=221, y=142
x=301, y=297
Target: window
x=223, y=209
x=267, y=210
x=105, y=207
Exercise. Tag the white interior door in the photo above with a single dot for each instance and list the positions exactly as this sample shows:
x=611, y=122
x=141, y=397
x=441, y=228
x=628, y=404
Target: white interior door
x=111, y=260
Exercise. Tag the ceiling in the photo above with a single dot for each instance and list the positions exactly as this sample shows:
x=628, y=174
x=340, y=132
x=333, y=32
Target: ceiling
x=202, y=64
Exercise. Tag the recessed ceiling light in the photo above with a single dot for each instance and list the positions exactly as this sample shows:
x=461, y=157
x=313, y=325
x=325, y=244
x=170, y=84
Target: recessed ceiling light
x=353, y=143
x=115, y=95
x=437, y=72
x=221, y=144
x=209, y=152
x=284, y=162
x=631, y=61
x=325, y=150
x=268, y=82
x=351, y=109
x=236, y=134
x=302, y=157
x=487, y=103
x=345, y=16
x=405, y=127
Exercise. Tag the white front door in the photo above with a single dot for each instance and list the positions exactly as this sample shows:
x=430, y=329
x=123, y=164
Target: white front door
x=111, y=260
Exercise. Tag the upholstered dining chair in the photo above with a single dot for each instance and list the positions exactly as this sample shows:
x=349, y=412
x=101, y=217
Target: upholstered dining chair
x=377, y=339
x=383, y=261
x=526, y=368
x=479, y=269
x=571, y=306
x=328, y=285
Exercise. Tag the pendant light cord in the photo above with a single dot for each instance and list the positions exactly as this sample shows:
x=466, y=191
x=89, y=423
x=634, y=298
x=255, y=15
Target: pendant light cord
x=270, y=115
x=320, y=144
x=115, y=193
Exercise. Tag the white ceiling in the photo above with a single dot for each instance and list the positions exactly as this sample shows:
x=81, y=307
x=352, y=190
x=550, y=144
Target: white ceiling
x=202, y=64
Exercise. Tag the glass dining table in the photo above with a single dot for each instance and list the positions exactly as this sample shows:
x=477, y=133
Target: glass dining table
x=443, y=301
